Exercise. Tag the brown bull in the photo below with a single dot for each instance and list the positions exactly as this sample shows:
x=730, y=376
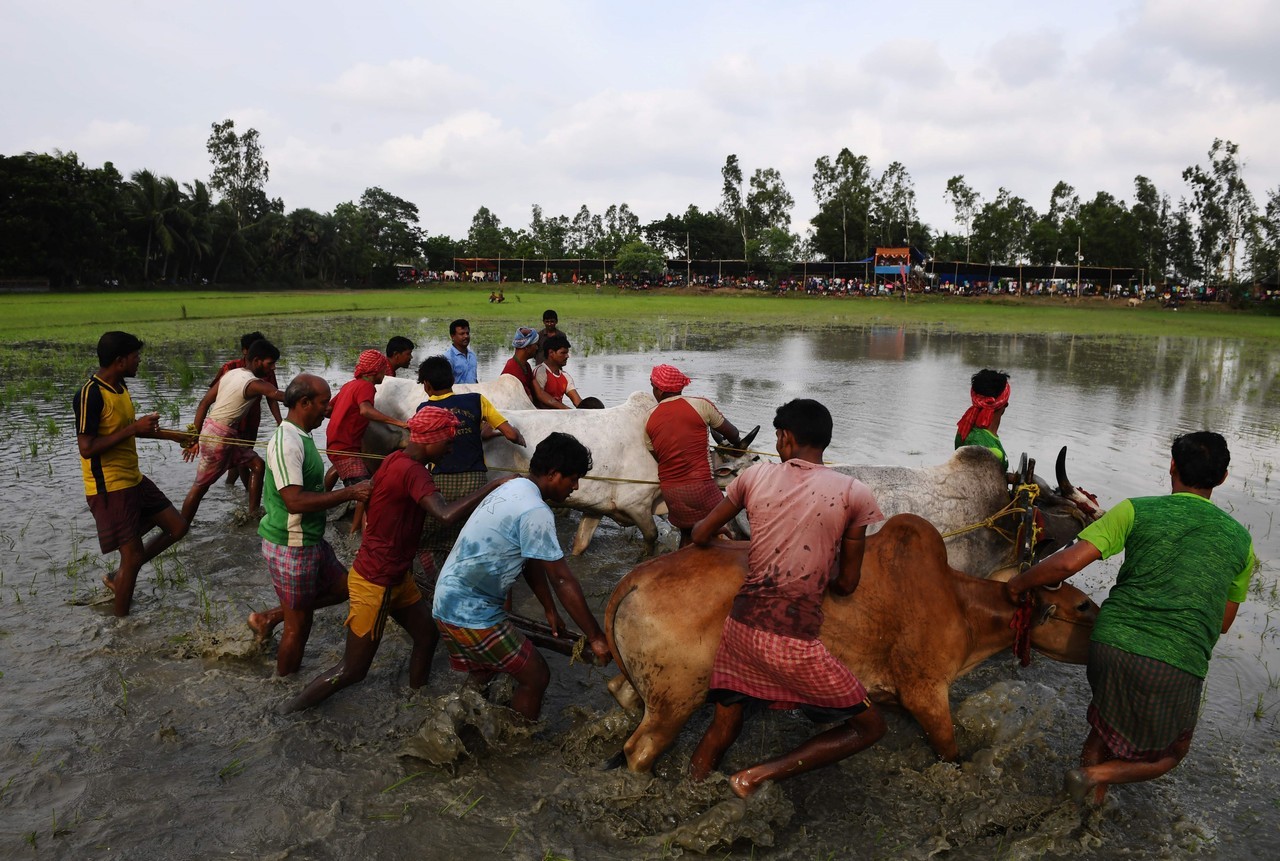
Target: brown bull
x=913, y=626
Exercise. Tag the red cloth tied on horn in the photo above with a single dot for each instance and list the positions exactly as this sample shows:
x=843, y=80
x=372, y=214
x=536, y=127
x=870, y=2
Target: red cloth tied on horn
x=982, y=412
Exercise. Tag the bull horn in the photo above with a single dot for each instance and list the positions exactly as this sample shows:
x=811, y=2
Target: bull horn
x=750, y=437
x=1065, y=487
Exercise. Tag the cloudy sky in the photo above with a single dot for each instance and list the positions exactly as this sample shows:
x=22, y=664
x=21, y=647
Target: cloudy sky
x=457, y=105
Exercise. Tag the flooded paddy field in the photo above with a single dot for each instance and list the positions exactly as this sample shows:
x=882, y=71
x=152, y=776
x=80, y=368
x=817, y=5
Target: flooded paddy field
x=157, y=736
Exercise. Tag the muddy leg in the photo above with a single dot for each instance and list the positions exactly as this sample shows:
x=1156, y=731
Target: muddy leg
x=1101, y=770
x=726, y=725
x=931, y=707
x=856, y=734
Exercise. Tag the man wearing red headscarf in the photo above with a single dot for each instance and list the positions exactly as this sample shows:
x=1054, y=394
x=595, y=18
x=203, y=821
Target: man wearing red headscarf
x=989, y=394
x=352, y=411
x=380, y=582
x=676, y=436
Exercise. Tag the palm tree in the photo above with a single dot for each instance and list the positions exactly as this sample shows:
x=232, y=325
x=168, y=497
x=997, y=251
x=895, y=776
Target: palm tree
x=197, y=234
x=150, y=201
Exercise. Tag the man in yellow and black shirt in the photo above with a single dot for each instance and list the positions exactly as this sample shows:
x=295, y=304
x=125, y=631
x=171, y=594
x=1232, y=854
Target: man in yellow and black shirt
x=125, y=503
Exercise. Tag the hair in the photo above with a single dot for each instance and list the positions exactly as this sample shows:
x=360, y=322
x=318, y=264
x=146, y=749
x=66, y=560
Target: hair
x=989, y=383
x=299, y=388
x=247, y=339
x=116, y=345
x=562, y=453
x=550, y=315
x=262, y=349
x=809, y=422
x=436, y=372
x=1202, y=459
x=458, y=324
x=555, y=342
x=398, y=344
x=591, y=403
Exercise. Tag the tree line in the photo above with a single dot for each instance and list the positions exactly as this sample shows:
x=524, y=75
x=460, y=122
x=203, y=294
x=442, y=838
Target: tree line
x=74, y=224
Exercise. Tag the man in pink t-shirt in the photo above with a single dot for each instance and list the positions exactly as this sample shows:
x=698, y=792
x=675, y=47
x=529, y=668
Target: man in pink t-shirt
x=676, y=435
x=808, y=531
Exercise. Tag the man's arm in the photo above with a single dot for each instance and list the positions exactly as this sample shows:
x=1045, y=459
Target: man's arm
x=728, y=432
x=274, y=406
x=266, y=389
x=1230, y=616
x=202, y=409
x=368, y=411
x=512, y=434
x=92, y=445
x=451, y=512
x=569, y=591
x=574, y=397
x=542, y=399
x=852, y=545
x=1055, y=569
x=706, y=529
x=299, y=501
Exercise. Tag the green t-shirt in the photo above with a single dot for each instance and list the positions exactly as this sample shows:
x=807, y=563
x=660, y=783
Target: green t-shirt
x=988, y=440
x=292, y=458
x=1184, y=559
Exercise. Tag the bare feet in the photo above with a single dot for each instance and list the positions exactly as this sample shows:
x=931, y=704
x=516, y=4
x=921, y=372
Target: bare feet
x=261, y=626
x=742, y=785
x=1081, y=788
x=109, y=581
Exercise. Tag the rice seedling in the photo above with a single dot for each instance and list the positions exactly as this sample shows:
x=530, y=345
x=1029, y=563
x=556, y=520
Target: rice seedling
x=457, y=800
x=404, y=810
x=231, y=769
x=123, y=705
x=510, y=837
x=403, y=781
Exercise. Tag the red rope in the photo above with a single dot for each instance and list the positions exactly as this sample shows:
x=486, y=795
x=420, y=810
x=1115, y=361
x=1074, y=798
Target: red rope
x=1021, y=625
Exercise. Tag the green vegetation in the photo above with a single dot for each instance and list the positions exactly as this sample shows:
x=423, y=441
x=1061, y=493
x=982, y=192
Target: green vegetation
x=64, y=326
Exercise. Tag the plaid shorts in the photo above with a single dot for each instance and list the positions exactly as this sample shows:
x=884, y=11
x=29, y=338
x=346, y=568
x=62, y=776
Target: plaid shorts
x=689, y=503
x=122, y=515
x=785, y=671
x=300, y=575
x=500, y=648
x=438, y=537
x=1141, y=707
x=351, y=468
x=217, y=457
x=369, y=604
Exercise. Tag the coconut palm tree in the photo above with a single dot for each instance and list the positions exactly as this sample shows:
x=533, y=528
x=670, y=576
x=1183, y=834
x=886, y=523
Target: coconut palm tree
x=150, y=202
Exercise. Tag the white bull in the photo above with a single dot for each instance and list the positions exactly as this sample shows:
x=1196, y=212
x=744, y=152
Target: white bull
x=965, y=490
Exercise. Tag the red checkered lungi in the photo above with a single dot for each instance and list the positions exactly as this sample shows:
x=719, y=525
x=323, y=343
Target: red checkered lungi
x=783, y=670
x=500, y=648
x=689, y=503
x=216, y=457
x=302, y=574
x=351, y=469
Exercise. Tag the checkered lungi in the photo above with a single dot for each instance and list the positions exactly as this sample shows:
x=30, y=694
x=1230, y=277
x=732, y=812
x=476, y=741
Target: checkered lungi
x=351, y=468
x=300, y=575
x=216, y=456
x=785, y=671
x=500, y=648
x=689, y=503
x=437, y=537
x=122, y=515
x=1141, y=707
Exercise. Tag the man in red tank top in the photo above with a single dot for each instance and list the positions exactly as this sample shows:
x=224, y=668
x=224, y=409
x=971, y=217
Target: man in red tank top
x=676, y=436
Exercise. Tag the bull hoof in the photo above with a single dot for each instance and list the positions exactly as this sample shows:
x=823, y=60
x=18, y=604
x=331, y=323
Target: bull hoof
x=618, y=760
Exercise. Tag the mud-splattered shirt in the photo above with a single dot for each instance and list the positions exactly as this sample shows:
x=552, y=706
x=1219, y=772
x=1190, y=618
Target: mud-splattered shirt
x=798, y=512
x=512, y=524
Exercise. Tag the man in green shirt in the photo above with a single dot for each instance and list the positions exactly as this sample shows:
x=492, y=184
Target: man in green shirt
x=989, y=396
x=1186, y=569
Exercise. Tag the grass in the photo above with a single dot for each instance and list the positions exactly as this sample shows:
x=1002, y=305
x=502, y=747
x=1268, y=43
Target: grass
x=79, y=318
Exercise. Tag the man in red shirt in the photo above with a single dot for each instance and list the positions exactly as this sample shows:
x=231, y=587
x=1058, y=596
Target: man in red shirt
x=525, y=342
x=380, y=581
x=676, y=436
x=551, y=382
x=352, y=411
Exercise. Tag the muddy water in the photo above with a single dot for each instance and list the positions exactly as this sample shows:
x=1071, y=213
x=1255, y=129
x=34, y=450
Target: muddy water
x=157, y=737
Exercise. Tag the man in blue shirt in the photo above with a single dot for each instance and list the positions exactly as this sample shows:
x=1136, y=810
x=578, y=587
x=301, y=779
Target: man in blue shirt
x=514, y=531
x=462, y=359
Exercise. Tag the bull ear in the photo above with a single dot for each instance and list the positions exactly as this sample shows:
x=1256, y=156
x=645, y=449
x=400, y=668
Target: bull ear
x=1047, y=610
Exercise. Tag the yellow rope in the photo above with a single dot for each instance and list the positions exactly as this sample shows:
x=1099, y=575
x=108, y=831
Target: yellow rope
x=1031, y=490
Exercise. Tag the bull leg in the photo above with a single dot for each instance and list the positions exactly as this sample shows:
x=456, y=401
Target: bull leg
x=649, y=530
x=929, y=703
x=625, y=693
x=655, y=734
x=586, y=529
